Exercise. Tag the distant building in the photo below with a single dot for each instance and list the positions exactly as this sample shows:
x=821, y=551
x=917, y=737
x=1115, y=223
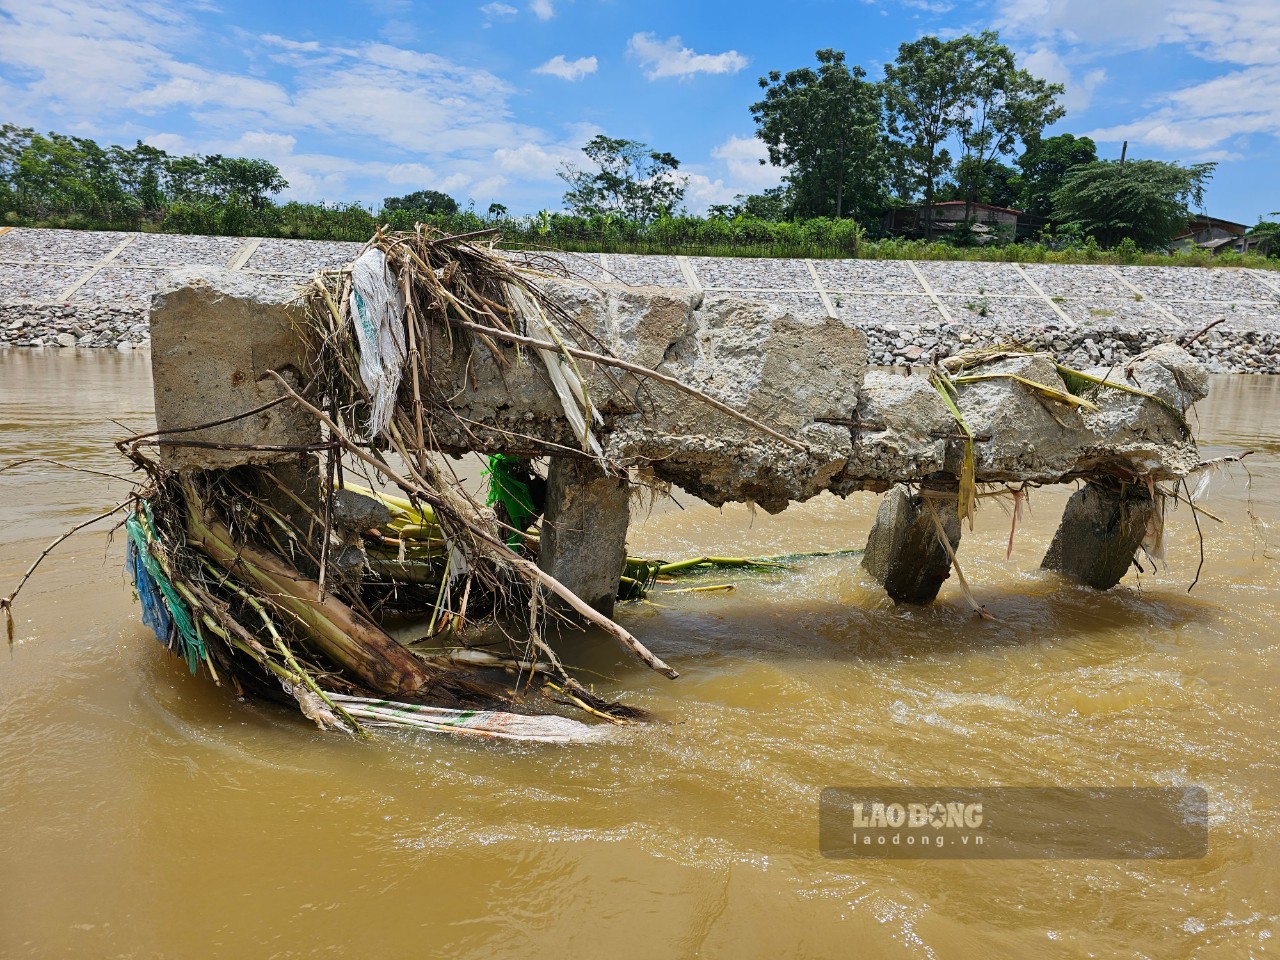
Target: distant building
x=949, y=215
x=1210, y=233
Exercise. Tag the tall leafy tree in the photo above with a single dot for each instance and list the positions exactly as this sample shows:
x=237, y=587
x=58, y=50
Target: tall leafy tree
x=228, y=180
x=1045, y=163
x=966, y=92
x=925, y=94
x=67, y=176
x=997, y=183
x=826, y=127
x=775, y=204
x=244, y=180
x=1146, y=201
x=1002, y=106
x=143, y=174
x=629, y=180
x=13, y=142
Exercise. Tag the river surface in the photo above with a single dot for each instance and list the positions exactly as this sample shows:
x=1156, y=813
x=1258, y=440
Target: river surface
x=148, y=814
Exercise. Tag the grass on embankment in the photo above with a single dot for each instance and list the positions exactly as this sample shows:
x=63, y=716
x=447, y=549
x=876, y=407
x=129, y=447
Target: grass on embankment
x=689, y=236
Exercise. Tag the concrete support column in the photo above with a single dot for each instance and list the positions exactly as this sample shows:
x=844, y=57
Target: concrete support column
x=903, y=551
x=1102, y=527
x=584, y=530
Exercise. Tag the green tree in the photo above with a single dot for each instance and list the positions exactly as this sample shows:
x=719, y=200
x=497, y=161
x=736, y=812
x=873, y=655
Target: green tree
x=925, y=96
x=776, y=204
x=1145, y=201
x=826, y=128
x=1002, y=106
x=1265, y=235
x=243, y=180
x=1045, y=163
x=631, y=181
x=497, y=211
x=143, y=174
x=240, y=181
x=13, y=141
x=998, y=184
x=966, y=92
x=66, y=176
x=425, y=201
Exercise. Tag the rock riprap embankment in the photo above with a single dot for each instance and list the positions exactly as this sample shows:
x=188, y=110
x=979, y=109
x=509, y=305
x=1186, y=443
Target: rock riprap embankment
x=61, y=288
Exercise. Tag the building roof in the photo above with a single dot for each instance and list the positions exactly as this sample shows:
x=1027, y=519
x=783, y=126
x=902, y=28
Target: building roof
x=1200, y=223
x=978, y=206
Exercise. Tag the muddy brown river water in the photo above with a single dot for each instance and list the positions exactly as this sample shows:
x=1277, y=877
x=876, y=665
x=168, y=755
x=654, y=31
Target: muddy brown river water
x=148, y=814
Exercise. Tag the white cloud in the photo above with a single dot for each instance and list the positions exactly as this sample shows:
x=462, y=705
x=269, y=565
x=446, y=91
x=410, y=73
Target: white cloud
x=497, y=11
x=668, y=58
x=1237, y=31
x=929, y=6
x=1200, y=118
x=741, y=157
x=737, y=170
x=1241, y=35
x=541, y=162
x=570, y=70
x=340, y=120
x=308, y=46
x=542, y=9
x=701, y=192
x=1050, y=65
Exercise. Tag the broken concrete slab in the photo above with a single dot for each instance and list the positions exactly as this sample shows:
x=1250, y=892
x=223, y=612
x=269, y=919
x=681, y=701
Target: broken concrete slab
x=1025, y=434
x=903, y=551
x=1144, y=438
x=898, y=431
x=804, y=375
x=584, y=530
x=789, y=370
x=214, y=336
x=1102, y=527
x=902, y=430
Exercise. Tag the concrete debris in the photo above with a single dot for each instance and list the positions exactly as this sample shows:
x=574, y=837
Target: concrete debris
x=904, y=553
x=584, y=530
x=804, y=375
x=216, y=335
x=1102, y=527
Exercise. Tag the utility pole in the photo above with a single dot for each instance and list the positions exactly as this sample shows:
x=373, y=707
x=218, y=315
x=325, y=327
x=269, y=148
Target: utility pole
x=1123, y=150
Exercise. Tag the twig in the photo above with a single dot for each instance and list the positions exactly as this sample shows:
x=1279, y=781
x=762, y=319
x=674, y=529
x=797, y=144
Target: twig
x=1199, y=533
x=1188, y=341
x=6, y=603
x=454, y=238
x=65, y=466
x=951, y=555
x=212, y=423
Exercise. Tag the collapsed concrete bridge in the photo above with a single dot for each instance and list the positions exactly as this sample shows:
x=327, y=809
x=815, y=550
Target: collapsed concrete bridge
x=835, y=424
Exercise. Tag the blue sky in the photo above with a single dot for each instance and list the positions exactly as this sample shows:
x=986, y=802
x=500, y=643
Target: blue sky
x=485, y=100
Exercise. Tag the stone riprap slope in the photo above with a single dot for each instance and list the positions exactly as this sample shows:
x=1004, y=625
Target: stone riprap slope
x=70, y=288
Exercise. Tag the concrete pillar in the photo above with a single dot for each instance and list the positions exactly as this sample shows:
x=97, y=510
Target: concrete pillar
x=214, y=337
x=903, y=552
x=584, y=530
x=1102, y=527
